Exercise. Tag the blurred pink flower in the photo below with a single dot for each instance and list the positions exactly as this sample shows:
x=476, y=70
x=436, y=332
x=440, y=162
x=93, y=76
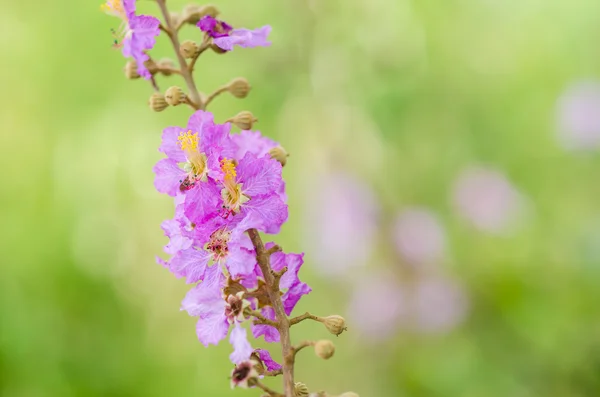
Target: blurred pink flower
x=438, y=305
x=341, y=223
x=418, y=236
x=487, y=199
x=377, y=307
x=578, y=113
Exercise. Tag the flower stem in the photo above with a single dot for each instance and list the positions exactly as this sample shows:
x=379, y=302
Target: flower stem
x=185, y=72
x=305, y=316
x=284, y=323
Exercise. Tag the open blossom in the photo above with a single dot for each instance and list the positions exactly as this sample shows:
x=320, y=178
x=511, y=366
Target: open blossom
x=137, y=33
x=198, y=147
x=225, y=37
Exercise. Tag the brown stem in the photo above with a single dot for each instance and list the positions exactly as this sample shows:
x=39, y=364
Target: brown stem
x=185, y=72
x=262, y=319
x=273, y=250
x=305, y=316
x=301, y=346
x=273, y=373
x=218, y=92
x=268, y=390
x=284, y=323
x=203, y=47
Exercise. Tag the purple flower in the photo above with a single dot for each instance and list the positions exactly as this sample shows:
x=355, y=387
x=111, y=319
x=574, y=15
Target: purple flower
x=252, y=142
x=487, y=199
x=578, y=116
x=418, y=236
x=199, y=147
x=249, y=194
x=270, y=333
x=137, y=33
x=225, y=37
x=266, y=359
x=241, y=347
x=341, y=223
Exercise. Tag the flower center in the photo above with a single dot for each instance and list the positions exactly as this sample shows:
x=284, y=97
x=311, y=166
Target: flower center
x=241, y=372
x=218, y=244
x=232, y=194
x=196, y=166
x=234, y=307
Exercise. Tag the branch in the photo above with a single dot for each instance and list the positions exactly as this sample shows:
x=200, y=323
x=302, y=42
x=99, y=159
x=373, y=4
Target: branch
x=275, y=297
x=305, y=316
x=273, y=250
x=215, y=94
x=185, y=72
x=273, y=373
x=301, y=346
x=268, y=390
x=203, y=47
x=262, y=319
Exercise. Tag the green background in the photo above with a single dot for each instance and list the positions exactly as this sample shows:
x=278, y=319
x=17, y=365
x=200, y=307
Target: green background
x=402, y=94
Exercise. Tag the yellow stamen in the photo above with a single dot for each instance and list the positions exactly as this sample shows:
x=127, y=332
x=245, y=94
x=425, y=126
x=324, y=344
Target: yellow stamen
x=228, y=167
x=188, y=141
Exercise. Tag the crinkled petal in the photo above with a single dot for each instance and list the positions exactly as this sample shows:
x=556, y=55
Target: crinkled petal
x=191, y=264
x=170, y=144
x=142, y=38
x=293, y=262
x=202, y=202
x=206, y=296
x=240, y=261
x=245, y=38
x=259, y=176
x=270, y=333
x=212, y=328
x=293, y=295
x=269, y=211
x=265, y=357
x=251, y=142
x=177, y=241
x=129, y=7
x=241, y=347
x=168, y=176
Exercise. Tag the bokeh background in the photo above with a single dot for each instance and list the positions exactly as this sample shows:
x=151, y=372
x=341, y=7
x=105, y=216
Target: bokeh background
x=443, y=183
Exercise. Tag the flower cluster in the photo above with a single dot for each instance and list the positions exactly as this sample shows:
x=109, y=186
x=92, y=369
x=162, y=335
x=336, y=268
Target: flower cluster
x=227, y=189
x=224, y=184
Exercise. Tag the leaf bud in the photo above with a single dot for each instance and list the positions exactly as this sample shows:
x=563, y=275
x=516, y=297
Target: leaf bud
x=157, y=102
x=324, y=349
x=300, y=390
x=131, y=70
x=239, y=87
x=188, y=49
x=334, y=324
x=243, y=120
x=278, y=153
x=175, y=96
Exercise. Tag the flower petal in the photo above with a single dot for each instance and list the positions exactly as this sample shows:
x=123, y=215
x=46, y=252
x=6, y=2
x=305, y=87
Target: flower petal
x=241, y=347
x=191, y=264
x=168, y=176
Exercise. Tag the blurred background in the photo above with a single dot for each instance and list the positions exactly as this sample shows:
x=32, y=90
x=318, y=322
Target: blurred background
x=443, y=183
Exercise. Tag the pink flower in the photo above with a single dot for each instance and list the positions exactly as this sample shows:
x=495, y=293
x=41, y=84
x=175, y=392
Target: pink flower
x=226, y=37
x=341, y=223
x=487, y=199
x=578, y=116
x=137, y=33
x=418, y=236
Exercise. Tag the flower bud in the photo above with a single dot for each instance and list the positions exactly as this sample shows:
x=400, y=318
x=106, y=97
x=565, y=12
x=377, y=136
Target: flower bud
x=188, y=49
x=175, y=96
x=131, y=70
x=157, y=102
x=217, y=49
x=244, y=120
x=335, y=324
x=239, y=87
x=300, y=390
x=278, y=153
x=324, y=349
x=174, y=16
x=166, y=65
x=151, y=66
x=193, y=13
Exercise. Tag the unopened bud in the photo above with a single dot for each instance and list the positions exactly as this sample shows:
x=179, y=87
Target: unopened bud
x=244, y=120
x=239, y=87
x=174, y=16
x=131, y=70
x=157, y=102
x=166, y=66
x=217, y=49
x=300, y=390
x=324, y=349
x=175, y=96
x=193, y=13
x=151, y=66
x=278, y=153
x=188, y=49
x=335, y=324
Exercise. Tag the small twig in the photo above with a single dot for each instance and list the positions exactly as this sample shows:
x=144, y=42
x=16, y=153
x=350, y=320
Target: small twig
x=215, y=94
x=191, y=103
x=262, y=319
x=268, y=390
x=154, y=83
x=203, y=47
x=274, y=249
x=278, y=274
x=301, y=346
x=305, y=316
x=168, y=70
x=164, y=29
x=273, y=373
